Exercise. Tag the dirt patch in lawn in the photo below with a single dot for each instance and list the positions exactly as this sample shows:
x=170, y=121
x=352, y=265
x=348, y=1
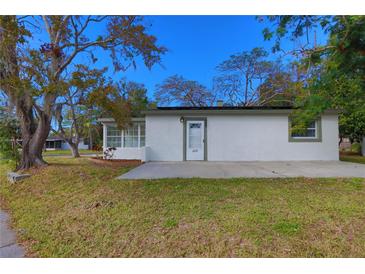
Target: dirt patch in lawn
x=115, y=163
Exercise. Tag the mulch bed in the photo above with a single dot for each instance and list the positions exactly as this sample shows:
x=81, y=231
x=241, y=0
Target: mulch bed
x=349, y=153
x=115, y=162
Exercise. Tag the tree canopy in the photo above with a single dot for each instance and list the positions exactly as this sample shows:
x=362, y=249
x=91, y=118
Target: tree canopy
x=34, y=79
x=178, y=90
x=335, y=71
x=241, y=74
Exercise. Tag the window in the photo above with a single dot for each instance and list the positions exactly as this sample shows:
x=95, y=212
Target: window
x=195, y=135
x=113, y=137
x=310, y=134
x=131, y=136
x=58, y=144
x=142, y=134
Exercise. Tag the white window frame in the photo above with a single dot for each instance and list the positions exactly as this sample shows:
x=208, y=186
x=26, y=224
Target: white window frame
x=131, y=136
x=123, y=133
x=113, y=136
x=317, y=132
x=139, y=134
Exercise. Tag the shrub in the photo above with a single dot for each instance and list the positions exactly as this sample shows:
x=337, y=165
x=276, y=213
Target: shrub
x=9, y=133
x=356, y=148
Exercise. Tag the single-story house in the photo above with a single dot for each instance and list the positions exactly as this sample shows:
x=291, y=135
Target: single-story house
x=222, y=134
x=54, y=143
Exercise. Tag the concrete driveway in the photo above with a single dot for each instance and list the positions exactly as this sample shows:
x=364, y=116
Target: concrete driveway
x=312, y=169
x=8, y=246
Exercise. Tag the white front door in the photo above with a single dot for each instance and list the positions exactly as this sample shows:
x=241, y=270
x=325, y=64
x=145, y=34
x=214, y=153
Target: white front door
x=195, y=140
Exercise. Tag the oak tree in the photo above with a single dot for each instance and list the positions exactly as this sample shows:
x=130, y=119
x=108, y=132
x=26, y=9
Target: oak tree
x=240, y=75
x=339, y=81
x=33, y=79
x=176, y=90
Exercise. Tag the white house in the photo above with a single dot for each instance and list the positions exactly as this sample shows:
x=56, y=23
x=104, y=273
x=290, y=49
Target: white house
x=222, y=134
x=54, y=143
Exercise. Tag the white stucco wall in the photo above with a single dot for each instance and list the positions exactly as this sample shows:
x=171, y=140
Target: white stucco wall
x=129, y=153
x=164, y=137
x=241, y=138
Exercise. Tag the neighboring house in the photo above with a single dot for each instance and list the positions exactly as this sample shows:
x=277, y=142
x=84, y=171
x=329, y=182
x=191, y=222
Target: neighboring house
x=59, y=144
x=222, y=134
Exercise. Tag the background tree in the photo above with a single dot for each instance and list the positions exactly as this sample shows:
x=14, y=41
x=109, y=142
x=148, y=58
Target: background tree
x=180, y=91
x=240, y=76
x=9, y=135
x=32, y=78
x=135, y=94
x=282, y=85
x=276, y=90
x=340, y=63
x=73, y=113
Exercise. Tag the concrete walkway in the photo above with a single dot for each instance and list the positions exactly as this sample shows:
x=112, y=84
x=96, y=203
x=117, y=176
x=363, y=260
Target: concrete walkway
x=312, y=169
x=8, y=246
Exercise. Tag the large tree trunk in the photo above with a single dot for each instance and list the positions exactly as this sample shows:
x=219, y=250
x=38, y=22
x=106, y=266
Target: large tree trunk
x=363, y=146
x=33, y=136
x=90, y=139
x=74, y=149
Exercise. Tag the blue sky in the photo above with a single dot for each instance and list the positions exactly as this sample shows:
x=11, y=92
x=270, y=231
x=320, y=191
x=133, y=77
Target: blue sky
x=196, y=45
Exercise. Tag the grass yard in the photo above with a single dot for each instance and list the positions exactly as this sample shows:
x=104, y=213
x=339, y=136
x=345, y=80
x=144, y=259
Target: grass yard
x=353, y=158
x=75, y=208
x=68, y=152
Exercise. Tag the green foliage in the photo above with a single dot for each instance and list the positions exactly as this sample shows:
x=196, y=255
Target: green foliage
x=356, y=148
x=113, y=104
x=9, y=133
x=336, y=69
x=135, y=94
x=36, y=80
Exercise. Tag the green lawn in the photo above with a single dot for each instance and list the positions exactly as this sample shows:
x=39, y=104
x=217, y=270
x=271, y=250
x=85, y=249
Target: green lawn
x=68, y=152
x=74, y=208
x=353, y=158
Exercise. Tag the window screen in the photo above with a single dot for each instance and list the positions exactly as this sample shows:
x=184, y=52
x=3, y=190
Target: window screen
x=309, y=132
x=113, y=137
x=131, y=136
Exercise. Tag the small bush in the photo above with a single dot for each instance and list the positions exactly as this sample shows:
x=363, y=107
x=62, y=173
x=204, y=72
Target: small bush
x=9, y=133
x=356, y=148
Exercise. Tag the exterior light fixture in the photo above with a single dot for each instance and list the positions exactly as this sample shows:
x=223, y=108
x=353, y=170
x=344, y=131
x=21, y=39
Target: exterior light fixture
x=182, y=119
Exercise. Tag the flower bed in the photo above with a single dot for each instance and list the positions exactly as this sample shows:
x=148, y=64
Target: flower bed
x=115, y=162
